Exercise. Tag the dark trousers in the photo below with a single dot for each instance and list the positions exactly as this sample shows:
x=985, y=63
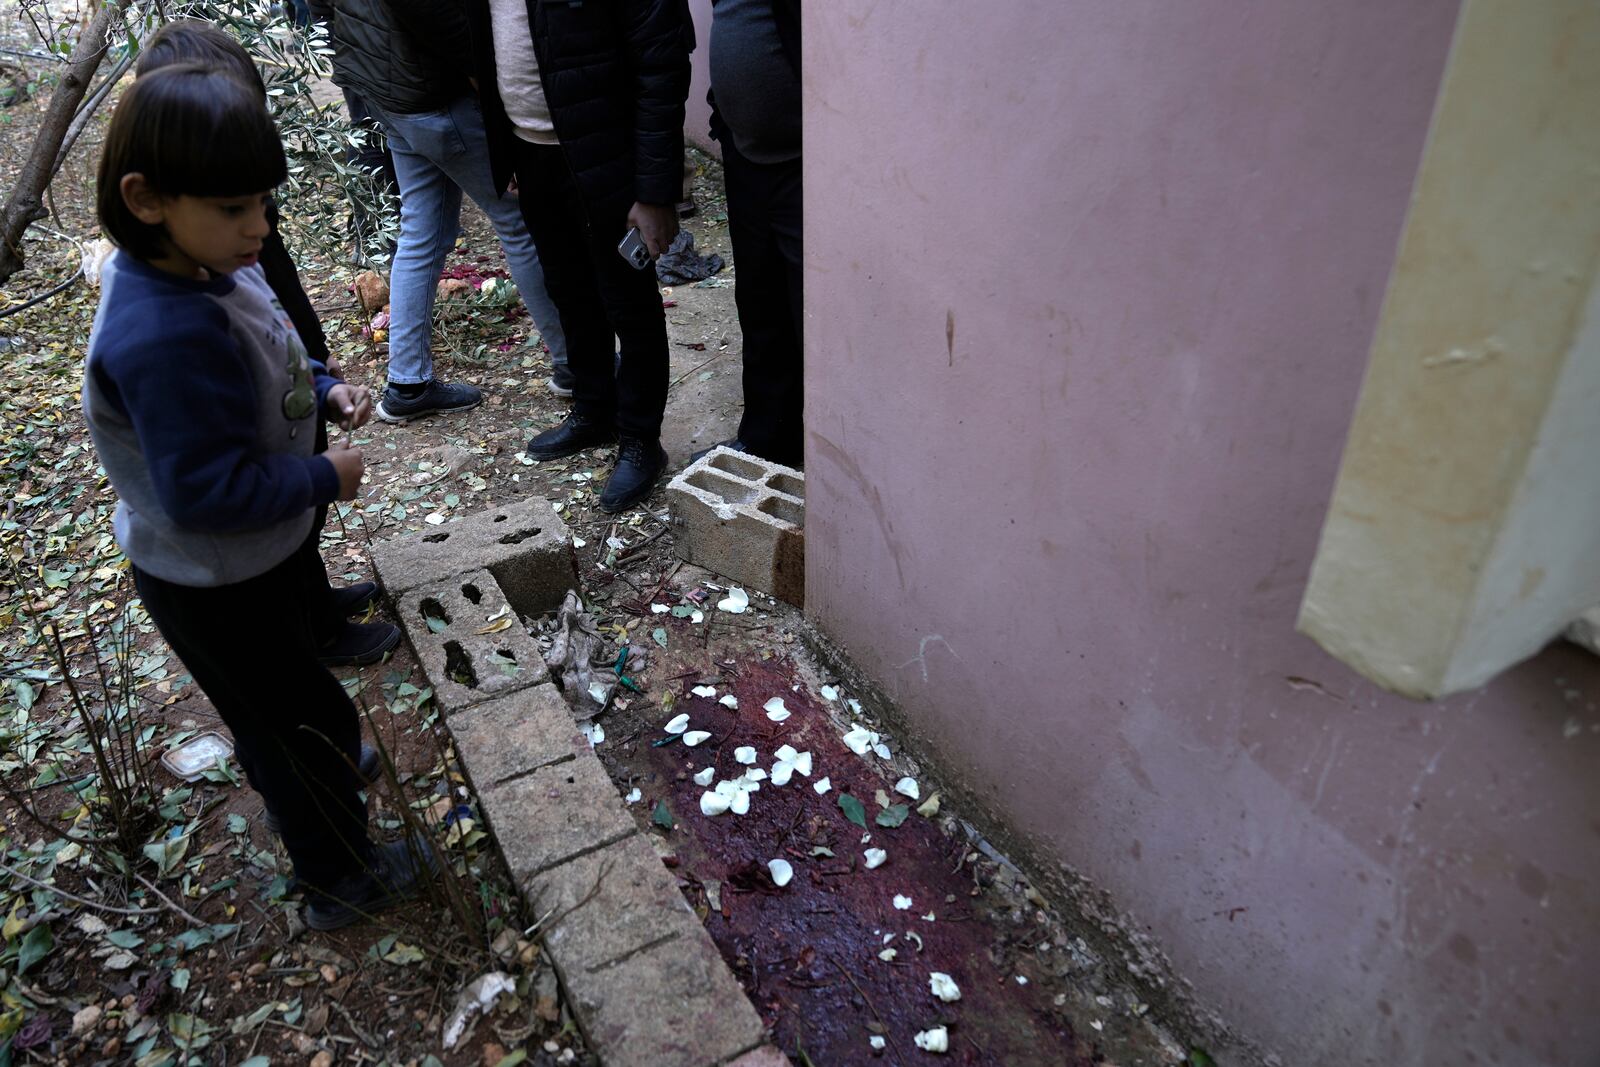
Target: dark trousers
x=250, y=648
x=598, y=295
x=764, y=224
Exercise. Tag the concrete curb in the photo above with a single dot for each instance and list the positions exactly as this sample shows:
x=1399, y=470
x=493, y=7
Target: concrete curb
x=643, y=978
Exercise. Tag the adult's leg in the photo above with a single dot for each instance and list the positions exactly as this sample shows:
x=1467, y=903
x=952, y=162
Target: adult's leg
x=764, y=225
x=632, y=300
x=555, y=216
x=470, y=170
x=295, y=732
x=430, y=218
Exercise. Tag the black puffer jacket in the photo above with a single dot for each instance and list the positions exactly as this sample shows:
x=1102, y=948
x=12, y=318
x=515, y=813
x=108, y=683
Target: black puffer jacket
x=403, y=55
x=615, y=74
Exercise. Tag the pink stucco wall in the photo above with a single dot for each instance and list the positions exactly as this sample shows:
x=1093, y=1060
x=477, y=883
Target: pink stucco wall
x=697, y=113
x=1090, y=288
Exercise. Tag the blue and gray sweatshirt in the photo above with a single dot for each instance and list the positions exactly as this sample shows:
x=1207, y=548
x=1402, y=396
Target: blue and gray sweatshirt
x=202, y=405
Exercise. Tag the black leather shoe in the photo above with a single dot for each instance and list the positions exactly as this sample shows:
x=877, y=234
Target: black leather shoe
x=574, y=434
x=359, y=644
x=351, y=600
x=732, y=442
x=393, y=873
x=639, y=464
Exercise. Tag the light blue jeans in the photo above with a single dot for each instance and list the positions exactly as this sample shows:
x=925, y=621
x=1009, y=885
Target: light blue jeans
x=438, y=155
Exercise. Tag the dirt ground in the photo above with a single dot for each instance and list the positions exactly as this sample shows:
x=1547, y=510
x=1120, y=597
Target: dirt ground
x=197, y=953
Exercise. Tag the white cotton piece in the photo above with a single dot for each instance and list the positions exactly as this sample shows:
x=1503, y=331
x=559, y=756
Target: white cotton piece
x=876, y=1041
x=703, y=778
x=730, y=702
x=775, y=704
x=659, y=609
x=704, y=690
x=829, y=693
x=881, y=749
x=944, y=987
x=695, y=737
x=677, y=724
x=935, y=1040
x=594, y=732
x=633, y=797
x=782, y=872
x=907, y=787
x=735, y=603
x=713, y=803
x=802, y=763
x=781, y=773
x=822, y=785
x=888, y=954
x=755, y=774
x=785, y=754
x=740, y=803
x=745, y=754
x=875, y=858
x=902, y=903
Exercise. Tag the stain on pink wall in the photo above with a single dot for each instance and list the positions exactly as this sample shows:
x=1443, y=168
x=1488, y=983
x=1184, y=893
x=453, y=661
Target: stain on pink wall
x=1089, y=294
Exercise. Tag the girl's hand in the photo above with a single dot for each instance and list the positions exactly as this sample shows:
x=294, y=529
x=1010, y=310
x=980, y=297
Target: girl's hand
x=349, y=465
x=350, y=405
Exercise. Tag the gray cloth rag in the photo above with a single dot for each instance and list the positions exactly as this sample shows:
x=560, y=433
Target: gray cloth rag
x=679, y=264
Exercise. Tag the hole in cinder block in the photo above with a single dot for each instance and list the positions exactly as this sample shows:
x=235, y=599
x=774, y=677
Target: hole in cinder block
x=788, y=483
x=434, y=539
x=571, y=780
x=729, y=490
x=520, y=536
x=740, y=468
x=472, y=593
x=506, y=661
x=434, y=614
x=499, y=518
x=458, y=665
x=784, y=510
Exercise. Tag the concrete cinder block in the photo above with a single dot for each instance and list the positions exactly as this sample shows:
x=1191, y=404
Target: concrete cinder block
x=744, y=518
x=524, y=544
x=610, y=904
x=465, y=664
x=515, y=734
x=555, y=813
x=674, y=1005
x=765, y=1056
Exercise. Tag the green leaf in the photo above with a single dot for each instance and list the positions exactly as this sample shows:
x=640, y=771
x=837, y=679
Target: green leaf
x=854, y=810
x=1198, y=1058
x=513, y=1058
x=451, y=500
x=257, y=1061
x=659, y=636
x=125, y=939
x=167, y=854
x=237, y=824
x=436, y=625
x=381, y=946
x=25, y=696
x=893, y=815
x=180, y=980
x=36, y=945
x=403, y=954
x=662, y=816
x=683, y=611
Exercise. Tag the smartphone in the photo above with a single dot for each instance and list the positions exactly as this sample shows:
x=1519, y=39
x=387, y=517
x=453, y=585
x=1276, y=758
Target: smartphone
x=633, y=250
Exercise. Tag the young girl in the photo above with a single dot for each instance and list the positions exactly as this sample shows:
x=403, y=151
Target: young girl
x=202, y=406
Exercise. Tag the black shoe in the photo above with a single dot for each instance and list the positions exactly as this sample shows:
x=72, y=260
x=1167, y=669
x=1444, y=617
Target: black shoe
x=574, y=434
x=639, y=464
x=392, y=874
x=733, y=443
x=355, y=599
x=368, y=764
x=797, y=462
x=359, y=644
x=436, y=397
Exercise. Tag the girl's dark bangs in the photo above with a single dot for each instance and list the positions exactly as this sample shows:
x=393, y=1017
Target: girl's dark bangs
x=244, y=157
x=212, y=137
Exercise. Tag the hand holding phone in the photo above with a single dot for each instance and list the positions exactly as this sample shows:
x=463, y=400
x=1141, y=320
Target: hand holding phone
x=632, y=248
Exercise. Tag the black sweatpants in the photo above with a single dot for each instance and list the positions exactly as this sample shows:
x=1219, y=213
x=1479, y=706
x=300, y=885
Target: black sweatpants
x=764, y=224
x=250, y=647
x=598, y=295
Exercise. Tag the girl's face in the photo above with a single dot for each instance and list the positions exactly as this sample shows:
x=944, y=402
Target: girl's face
x=215, y=234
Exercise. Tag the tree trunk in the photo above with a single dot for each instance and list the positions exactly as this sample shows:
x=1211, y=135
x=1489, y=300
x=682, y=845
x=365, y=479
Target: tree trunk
x=26, y=203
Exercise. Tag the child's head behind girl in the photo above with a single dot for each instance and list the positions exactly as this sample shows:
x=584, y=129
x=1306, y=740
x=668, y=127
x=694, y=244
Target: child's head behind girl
x=199, y=42
x=189, y=165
